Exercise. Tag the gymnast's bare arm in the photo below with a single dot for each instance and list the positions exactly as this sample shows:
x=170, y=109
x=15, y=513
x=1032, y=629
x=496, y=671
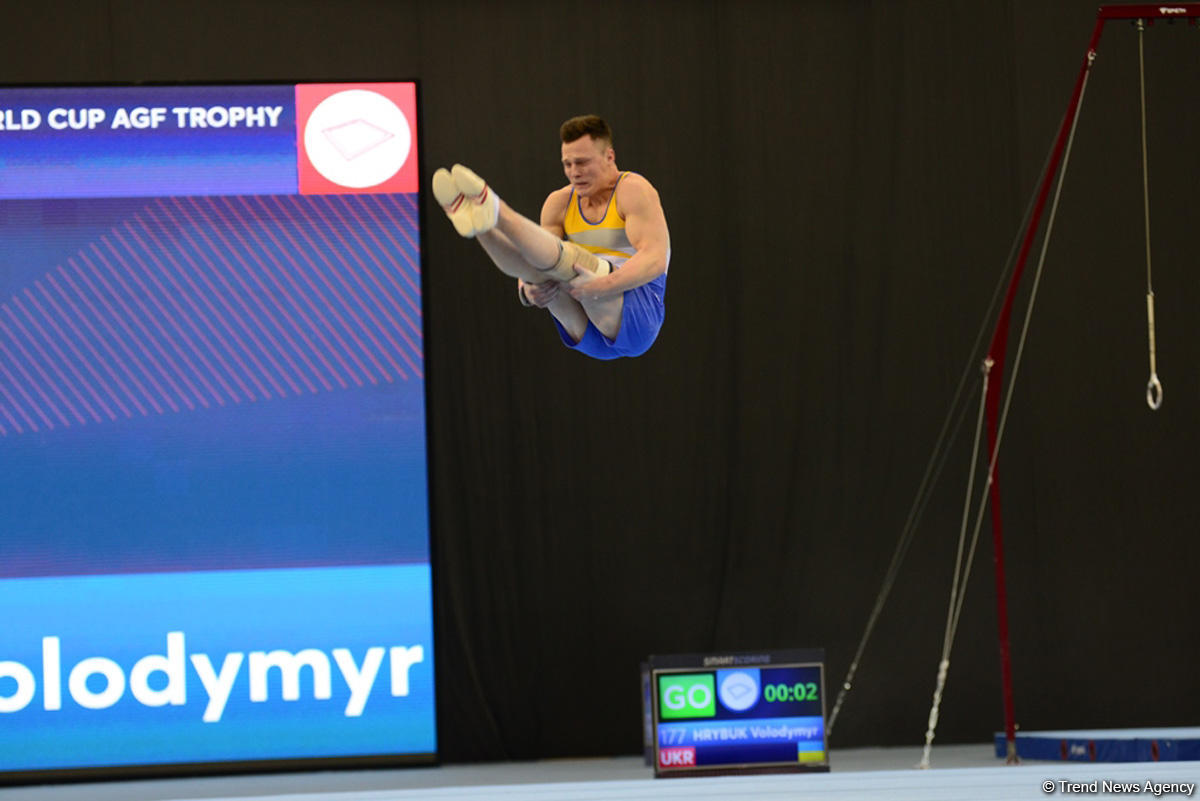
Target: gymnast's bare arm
x=554, y=211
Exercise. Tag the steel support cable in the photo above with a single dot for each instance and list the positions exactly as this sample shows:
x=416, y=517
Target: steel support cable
x=937, y=461
x=955, y=595
x=958, y=593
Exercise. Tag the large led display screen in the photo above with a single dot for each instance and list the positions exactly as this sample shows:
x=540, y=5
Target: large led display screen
x=214, y=537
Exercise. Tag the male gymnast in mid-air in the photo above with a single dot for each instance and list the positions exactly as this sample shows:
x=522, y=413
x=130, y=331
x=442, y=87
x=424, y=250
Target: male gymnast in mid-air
x=598, y=261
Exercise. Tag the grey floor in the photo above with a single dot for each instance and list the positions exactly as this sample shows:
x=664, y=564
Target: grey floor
x=959, y=772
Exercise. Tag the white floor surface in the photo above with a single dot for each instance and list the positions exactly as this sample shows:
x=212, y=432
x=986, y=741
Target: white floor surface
x=968, y=772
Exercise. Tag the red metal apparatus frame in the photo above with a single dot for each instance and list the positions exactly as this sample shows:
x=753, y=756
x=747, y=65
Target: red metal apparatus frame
x=999, y=342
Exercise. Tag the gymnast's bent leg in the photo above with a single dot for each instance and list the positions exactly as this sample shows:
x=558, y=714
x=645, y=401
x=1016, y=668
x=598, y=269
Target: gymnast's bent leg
x=510, y=261
x=523, y=249
x=551, y=256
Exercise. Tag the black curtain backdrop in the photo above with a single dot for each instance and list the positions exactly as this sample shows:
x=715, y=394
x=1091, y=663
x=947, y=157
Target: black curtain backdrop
x=843, y=180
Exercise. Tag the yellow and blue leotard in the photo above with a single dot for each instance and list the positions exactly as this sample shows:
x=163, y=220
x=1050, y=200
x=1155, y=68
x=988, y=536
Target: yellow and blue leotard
x=643, y=308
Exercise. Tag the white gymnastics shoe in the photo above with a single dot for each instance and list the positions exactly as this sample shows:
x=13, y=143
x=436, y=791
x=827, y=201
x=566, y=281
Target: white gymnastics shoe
x=452, y=201
x=485, y=204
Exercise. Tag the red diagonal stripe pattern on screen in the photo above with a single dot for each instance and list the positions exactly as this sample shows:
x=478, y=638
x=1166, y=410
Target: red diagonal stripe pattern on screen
x=198, y=303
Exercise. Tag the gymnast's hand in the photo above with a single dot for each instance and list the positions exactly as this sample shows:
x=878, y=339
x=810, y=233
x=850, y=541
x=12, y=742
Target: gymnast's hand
x=540, y=295
x=587, y=287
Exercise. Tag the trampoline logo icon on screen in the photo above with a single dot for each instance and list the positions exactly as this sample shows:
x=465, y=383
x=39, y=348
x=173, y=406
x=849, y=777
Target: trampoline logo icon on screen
x=355, y=137
x=738, y=689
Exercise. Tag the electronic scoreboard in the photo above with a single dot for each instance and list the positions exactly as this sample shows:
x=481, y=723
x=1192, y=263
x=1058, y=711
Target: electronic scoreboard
x=737, y=713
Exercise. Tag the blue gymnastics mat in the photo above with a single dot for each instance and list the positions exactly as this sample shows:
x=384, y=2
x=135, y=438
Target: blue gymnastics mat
x=1107, y=745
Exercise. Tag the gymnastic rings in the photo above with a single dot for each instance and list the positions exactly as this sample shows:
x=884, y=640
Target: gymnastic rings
x=1154, y=390
x=1154, y=393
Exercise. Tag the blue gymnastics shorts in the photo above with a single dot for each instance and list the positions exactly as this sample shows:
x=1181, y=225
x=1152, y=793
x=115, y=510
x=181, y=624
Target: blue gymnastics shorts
x=642, y=316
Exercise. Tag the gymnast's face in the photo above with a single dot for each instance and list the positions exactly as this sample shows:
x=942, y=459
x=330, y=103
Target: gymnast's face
x=589, y=165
